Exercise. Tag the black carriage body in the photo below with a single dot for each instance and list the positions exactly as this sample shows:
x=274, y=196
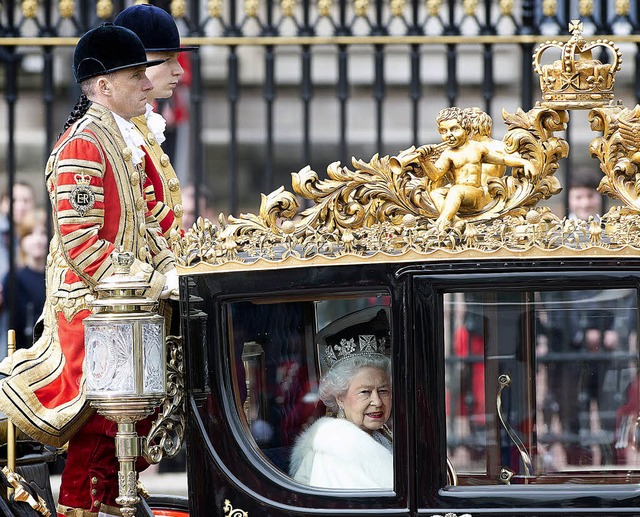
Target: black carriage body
x=231, y=468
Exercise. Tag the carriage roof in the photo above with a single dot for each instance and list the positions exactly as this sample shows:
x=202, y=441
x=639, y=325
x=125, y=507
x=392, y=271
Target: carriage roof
x=383, y=210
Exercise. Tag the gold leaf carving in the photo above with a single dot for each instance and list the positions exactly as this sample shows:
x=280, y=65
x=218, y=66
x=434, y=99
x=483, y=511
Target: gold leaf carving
x=165, y=436
x=618, y=150
x=385, y=205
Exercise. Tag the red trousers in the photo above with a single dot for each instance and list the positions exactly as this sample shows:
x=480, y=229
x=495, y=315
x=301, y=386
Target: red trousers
x=90, y=476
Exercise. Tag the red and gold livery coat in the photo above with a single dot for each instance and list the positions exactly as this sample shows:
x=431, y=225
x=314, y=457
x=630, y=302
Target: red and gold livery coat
x=162, y=188
x=98, y=203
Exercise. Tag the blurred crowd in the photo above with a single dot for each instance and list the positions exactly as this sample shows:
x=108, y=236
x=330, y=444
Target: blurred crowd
x=22, y=294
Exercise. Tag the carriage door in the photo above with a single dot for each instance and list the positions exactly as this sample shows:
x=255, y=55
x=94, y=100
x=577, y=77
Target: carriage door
x=536, y=385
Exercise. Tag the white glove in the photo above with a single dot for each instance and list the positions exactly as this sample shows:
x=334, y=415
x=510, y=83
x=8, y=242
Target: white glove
x=170, y=289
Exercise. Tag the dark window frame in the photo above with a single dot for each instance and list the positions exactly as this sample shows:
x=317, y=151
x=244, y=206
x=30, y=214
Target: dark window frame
x=433, y=489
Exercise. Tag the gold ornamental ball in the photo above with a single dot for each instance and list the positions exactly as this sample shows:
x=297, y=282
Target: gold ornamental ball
x=251, y=8
x=288, y=8
x=361, y=7
x=623, y=7
x=506, y=7
x=104, y=9
x=29, y=8
x=215, y=8
x=178, y=8
x=533, y=217
x=324, y=8
x=585, y=7
x=66, y=8
x=288, y=227
x=409, y=220
x=433, y=7
x=397, y=7
x=469, y=7
x=549, y=7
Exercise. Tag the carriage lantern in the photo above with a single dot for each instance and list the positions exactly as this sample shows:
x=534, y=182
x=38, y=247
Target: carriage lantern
x=125, y=364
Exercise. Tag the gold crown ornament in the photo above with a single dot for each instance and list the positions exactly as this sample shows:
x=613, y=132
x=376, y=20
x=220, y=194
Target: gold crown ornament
x=576, y=80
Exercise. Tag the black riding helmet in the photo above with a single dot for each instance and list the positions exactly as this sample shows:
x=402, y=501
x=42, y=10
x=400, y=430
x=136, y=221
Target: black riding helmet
x=154, y=26
x=108, y=48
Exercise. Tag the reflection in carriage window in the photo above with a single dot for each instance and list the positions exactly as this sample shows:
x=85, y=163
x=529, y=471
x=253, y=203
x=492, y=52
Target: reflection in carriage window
x=542, y=386
x=303, y=369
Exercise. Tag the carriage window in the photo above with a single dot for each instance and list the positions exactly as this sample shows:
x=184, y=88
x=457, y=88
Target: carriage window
x=542, y=387
x=281, y=351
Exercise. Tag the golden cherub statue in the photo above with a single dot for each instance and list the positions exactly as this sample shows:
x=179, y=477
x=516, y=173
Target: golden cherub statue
x=469, y=158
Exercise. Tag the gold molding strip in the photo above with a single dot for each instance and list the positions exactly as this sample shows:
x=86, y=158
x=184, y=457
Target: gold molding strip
x=414, y=258
x=222, y=41
x=328, y=40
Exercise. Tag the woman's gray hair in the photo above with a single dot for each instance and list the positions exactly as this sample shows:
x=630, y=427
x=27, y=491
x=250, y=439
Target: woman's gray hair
x=336, y=381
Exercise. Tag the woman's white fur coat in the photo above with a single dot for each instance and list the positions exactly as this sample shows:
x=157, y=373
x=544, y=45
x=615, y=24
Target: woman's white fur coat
x=335, y=453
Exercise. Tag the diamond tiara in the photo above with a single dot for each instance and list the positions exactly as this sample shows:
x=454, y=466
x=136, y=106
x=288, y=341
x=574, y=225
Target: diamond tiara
x=368, y=344
x=365, y=332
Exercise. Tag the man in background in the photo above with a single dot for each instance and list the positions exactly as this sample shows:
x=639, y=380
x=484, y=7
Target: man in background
x=584, y=199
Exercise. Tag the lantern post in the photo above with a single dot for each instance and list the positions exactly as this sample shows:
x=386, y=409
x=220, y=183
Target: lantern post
x=125, y=365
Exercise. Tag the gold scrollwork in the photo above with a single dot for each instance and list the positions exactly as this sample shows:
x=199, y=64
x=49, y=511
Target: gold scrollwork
x=618, y=150
x=167, y=431
x=21, y=494
x=506, y=7
x=390, y=188
x=229, y=511
x=392, y=205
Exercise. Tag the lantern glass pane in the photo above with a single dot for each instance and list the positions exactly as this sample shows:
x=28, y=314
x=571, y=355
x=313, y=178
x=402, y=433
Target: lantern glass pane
x=109, y=358
x=154, y=357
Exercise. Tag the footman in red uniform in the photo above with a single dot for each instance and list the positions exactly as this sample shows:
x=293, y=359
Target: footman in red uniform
x=95, y=178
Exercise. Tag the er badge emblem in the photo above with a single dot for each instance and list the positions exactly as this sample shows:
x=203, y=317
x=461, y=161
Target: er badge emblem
x=82, y=197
